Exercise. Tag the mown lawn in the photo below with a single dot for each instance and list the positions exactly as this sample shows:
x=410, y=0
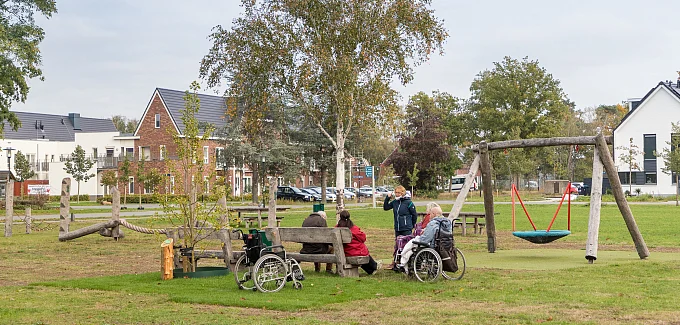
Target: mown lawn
x=94, y=280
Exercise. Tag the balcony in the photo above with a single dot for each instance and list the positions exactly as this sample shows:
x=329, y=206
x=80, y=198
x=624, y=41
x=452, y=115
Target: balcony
x=40, y=166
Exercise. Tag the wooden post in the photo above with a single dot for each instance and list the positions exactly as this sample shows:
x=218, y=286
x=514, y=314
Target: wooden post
x=29, y=220
x=167, y=258
x=595, y=205
x=339, y=252
x=227, y=250
x=271, y=215
x=173, y=233
x=620, y=197
x=460, y=200
x=485, y=164
x=9, y=207
x=224, y=216
x=64, y=206
x=115, y=212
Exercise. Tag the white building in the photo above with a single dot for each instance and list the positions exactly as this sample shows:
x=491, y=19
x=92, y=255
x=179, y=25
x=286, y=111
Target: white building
x=47, y=140
x=648, y=124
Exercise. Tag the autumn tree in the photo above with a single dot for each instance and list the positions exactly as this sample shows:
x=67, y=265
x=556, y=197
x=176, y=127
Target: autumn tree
x=109, y=179
x=78, y=166
x=671, y=157
x=20, y=38
x=22, y=168
x=334, y=59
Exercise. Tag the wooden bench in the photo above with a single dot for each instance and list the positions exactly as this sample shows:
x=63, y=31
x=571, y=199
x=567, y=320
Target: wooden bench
x=476, y=224
x=251, y=220
x=347, y=266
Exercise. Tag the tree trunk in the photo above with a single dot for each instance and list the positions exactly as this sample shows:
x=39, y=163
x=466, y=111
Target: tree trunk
x=127, y=188
x=340, y=168
x=324, y=183
x=242, y=187
x=677, y=189
x=9, y=207
x=78, y=198
x=271, y=213
x=256, y=187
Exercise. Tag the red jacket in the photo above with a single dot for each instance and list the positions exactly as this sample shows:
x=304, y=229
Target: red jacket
x=356, y=247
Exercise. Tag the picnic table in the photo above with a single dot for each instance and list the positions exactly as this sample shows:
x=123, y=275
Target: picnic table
x=476, y=224
x=250, y=219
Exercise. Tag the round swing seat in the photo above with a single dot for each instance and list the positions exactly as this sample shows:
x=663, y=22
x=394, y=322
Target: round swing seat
x=541, y=236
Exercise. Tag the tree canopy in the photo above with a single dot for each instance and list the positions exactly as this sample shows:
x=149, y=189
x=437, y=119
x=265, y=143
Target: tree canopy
x=20, y=38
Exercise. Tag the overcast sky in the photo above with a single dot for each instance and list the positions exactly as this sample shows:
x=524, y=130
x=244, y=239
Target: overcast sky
x=105, y=57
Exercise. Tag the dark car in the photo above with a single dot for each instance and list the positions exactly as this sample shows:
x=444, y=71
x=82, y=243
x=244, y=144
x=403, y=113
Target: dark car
x=315, y=196
x=584, y=190
x=292, y=193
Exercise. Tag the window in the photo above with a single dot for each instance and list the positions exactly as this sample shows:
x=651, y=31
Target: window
x=650, y=178
x=131, y=183
x=157, y=121
x=172, y=184
x=145, y=153
x=624, y=177
x=161, y=152
x=219, y=160
x=206, y=183
x=147, y=188
x=95, y=153
x=672, y=178
x=247, y=185
x=237, y=184
x=650, y=146
x=130, y=152
x=206, y=156
x=52, y=158
x=109, y=152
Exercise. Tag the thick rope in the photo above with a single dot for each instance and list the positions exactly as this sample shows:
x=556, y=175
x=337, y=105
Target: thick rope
x=143, y=230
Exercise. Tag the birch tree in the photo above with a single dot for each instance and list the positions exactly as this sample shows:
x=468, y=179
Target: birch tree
x=335, y=59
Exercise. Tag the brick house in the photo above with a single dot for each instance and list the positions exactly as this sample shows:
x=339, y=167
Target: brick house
x=153, y=141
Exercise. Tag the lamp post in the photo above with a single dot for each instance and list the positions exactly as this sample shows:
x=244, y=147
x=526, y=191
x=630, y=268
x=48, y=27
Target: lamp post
x=9, y=150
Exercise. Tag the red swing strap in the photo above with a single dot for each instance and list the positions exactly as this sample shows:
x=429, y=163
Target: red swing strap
x=513, y=192
x=567, y=193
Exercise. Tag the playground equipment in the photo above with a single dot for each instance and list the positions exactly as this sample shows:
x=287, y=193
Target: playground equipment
x=110, y=228
x=602, y=160
x=541, y=236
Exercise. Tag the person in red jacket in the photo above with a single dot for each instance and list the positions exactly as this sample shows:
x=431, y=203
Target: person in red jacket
x=357, y=247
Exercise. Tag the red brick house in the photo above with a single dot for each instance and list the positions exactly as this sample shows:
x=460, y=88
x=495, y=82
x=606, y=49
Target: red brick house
x=153, y=140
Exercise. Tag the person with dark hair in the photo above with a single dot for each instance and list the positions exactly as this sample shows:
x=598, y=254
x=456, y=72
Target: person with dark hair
x=317, y=219
x=357, y=247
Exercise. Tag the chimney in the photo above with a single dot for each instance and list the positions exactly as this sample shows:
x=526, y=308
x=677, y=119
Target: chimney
x=75, y=120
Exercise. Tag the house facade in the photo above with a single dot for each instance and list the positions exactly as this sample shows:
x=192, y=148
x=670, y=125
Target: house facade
x=47, y=140
x=648, y=124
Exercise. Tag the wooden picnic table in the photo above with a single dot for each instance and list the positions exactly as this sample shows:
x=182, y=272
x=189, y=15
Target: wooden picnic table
x=247, y=209
x=476, y=224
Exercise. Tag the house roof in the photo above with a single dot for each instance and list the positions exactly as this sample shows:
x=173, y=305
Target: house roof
x=54, y=127
x=670, y=86
x=213, y=108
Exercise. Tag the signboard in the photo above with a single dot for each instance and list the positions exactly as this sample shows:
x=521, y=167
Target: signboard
x=355, y=176
x=38, y=189
x=369, y=171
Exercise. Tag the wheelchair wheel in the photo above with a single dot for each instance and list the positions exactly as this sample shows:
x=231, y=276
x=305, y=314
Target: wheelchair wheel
x=460, y=261
x=427, y=265
x=270, y=273
x=243, y=276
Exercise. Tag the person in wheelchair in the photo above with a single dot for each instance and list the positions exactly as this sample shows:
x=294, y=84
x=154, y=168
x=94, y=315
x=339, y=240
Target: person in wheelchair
x=401, y=241
x=438, y=224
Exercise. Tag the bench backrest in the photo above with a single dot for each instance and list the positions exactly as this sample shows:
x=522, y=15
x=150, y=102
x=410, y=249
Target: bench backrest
x=313, y=235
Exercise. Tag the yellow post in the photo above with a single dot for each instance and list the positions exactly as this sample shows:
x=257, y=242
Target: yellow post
x=167, y=255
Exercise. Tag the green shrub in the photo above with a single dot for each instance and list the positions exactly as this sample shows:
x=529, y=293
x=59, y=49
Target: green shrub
x=430, y=194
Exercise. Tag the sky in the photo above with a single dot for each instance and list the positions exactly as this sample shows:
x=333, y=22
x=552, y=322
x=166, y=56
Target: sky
x=106, y=57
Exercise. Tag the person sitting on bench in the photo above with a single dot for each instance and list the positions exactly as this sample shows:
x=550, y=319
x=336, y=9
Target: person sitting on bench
x=317, y=219
x=357, y=247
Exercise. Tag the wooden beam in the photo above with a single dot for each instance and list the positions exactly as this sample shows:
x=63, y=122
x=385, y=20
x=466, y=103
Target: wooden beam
x=485, y=164
x=87, y=230
x=317, y=235
x=65, y=206
x=595, y=206
x=620, y=197
x=339, y=251
x=115, y=212
x=462, y=195
x=9, y=206
x=543, y=142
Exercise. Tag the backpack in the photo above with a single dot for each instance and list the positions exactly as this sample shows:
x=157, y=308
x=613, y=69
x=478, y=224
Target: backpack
x=445, y=247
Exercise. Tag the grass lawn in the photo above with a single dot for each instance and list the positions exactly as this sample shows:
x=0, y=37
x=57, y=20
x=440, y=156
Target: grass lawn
x=94, y=280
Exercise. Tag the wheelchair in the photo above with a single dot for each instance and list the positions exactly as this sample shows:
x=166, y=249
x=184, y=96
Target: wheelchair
x=265, y=267
x=428, y=262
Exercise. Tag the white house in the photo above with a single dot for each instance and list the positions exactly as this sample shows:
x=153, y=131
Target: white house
x=47, y=140
x=648, y=123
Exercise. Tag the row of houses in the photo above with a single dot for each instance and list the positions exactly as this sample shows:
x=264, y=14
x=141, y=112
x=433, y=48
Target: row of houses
x=47, y=140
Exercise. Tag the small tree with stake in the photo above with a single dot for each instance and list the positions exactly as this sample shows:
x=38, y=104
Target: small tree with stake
x=671, y=158
x=629, y=157
x=22, y=168
x=109, y=179
x=78, y=166
x=124, y=173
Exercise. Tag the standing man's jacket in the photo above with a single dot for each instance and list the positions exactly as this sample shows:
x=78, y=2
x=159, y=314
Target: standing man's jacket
x=405, y=215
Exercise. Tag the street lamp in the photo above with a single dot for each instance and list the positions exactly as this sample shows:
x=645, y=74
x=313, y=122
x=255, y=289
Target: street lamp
x=9, y=150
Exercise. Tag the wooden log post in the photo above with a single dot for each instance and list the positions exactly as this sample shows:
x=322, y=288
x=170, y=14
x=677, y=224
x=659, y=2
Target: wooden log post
x=9, y=207
x=460, y=200
x=485, y=164
x=29, y=220
x=173, y=233
x=115, y=212
x=339, y=251
x=620, y=197
x=224, y=215
x=224, y=236
x=167, y=259
x=595, y=206
x=64, y=206
x=271, y=213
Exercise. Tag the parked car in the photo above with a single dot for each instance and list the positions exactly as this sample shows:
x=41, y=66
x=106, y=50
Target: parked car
x=365, y=192
x=584, y=190
x=347, y=194
x=316, y=196
x=292, y=193
x=381, y=191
